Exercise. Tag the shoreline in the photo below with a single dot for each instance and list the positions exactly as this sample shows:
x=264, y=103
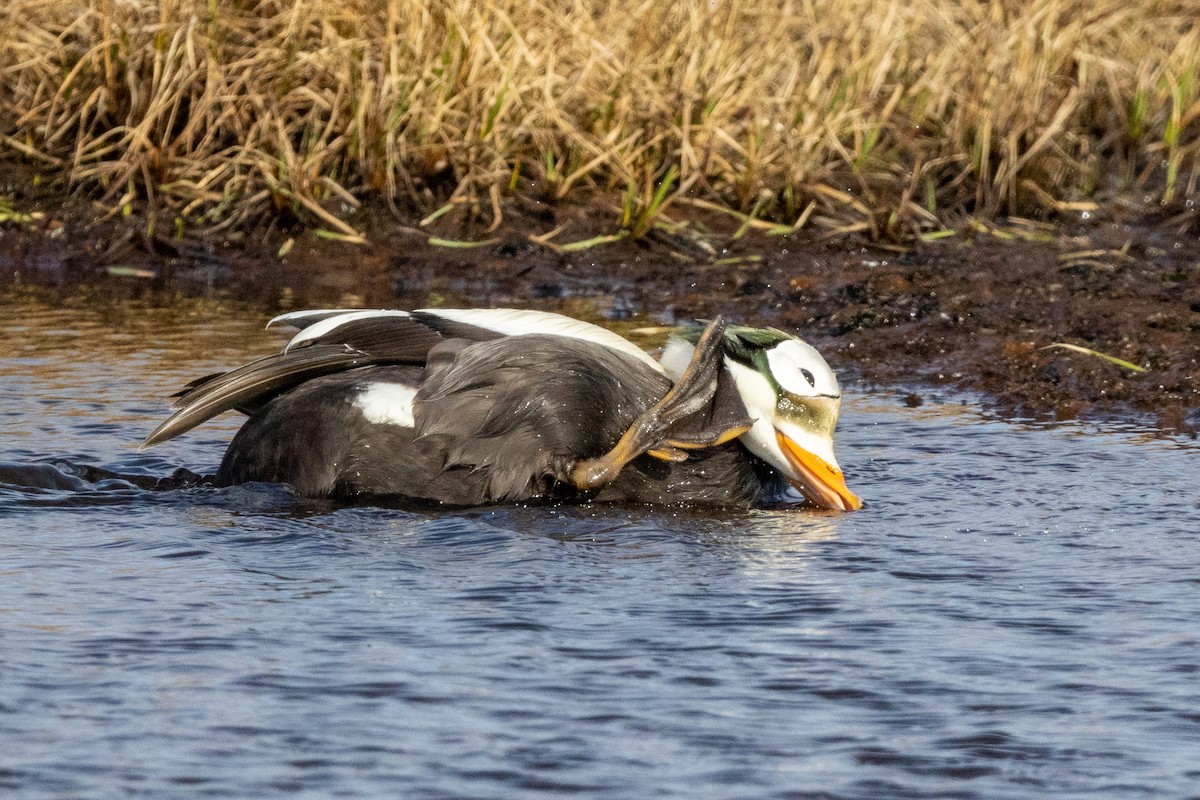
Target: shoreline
x=984, y=314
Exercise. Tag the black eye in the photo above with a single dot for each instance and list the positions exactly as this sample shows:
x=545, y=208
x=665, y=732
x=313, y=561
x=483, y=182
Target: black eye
x=808, y=376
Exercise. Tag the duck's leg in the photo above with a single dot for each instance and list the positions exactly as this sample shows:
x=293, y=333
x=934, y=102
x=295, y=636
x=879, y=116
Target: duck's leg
x=671, y=425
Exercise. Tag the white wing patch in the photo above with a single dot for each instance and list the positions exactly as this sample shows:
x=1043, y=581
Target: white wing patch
x=800, y=369
x=319, y=329
x=387, y=403
x=519, y=322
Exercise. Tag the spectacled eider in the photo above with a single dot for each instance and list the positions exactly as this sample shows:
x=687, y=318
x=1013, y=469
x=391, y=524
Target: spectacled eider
x=469, y=407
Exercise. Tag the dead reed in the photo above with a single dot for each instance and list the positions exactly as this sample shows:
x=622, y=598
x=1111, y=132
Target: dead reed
x=889, y=117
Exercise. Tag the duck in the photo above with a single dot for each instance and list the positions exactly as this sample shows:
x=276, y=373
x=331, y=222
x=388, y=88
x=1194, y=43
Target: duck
x=472, y=407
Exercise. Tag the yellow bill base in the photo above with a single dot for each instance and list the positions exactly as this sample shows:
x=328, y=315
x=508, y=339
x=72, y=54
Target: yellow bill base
x=816, y=479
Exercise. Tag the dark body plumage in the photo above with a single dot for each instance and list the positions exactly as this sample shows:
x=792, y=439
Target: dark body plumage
x=467, y=408
x=494, y=421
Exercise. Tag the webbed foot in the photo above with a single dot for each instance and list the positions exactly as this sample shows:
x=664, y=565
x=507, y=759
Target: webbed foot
x=701, y=410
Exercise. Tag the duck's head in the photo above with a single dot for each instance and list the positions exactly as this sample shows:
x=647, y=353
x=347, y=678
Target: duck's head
x=794, y=399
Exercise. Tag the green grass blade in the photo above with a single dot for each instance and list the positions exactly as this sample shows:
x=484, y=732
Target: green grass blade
x=585, y=244
x=459, y=244
x=1120, y=362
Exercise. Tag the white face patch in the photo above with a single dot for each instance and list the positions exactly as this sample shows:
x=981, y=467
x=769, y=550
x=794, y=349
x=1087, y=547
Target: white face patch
x=799, y=369
x=387, y=403
x=759, y=399
x=763, y=437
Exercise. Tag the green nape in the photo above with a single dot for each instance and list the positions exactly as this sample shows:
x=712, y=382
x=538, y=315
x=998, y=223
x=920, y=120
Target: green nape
x=741, y=341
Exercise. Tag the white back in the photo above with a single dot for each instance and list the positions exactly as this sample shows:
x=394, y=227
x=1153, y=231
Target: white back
x=520, y=322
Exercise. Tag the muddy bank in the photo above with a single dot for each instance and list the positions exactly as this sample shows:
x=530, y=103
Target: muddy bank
x=964, y=313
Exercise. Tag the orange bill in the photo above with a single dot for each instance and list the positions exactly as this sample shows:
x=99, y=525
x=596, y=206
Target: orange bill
x=816, y=479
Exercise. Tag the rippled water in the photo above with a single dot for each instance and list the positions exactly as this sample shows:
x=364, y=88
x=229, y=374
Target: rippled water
x=1015, y=614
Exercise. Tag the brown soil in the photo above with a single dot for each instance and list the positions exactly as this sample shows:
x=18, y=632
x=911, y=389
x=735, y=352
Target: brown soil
x=961, y=315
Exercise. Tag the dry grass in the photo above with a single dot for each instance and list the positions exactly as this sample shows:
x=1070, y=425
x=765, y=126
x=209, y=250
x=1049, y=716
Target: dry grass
x=890, y=117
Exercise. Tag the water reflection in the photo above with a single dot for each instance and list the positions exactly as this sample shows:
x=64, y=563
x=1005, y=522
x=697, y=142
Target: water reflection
x=1012, y=614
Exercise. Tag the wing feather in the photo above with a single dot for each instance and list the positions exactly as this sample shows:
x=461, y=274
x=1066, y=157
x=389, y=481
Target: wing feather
x=392, y=335
x=250, y=384
x=336, y=327
x=334, y=340
x=302, y=319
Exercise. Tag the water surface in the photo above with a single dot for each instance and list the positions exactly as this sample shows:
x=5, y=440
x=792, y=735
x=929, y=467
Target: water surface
x=1013, y=615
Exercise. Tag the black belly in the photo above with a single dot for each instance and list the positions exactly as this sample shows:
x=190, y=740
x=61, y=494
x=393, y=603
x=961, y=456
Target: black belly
x=495, y=422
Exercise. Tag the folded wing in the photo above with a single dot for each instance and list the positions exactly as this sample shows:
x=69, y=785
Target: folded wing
x=337, y=340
